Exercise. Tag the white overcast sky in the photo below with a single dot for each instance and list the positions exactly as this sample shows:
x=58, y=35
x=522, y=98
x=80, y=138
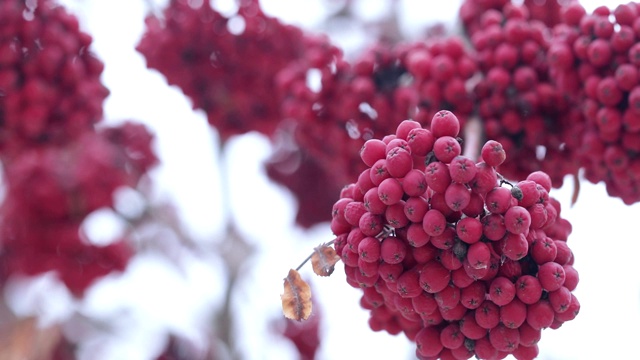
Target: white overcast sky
x=605, y=238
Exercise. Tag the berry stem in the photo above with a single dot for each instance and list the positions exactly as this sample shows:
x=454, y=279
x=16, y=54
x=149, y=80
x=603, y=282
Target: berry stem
x=576, y=189
x=472, y=138
x=310, y=255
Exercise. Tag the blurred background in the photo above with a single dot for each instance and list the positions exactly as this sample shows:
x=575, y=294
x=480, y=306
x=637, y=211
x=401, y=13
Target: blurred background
x=217, y=237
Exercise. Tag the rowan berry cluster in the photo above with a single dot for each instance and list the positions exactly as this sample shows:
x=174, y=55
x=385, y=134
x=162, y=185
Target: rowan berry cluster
x=227, y=65
x=449, y=253
x=364, y=99
x=594, y=58
x=516, y=100
x=50, y=89
x=57, y=167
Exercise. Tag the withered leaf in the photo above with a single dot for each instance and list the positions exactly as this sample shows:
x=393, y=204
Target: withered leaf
x=576, y=190
x=296, y=299
x=323, y=260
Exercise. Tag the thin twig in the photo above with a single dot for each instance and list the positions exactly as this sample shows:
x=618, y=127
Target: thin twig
x=311, y=255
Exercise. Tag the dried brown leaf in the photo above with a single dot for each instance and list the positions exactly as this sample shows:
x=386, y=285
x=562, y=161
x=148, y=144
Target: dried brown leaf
x=576, y=189
x=323, y=260
x=296, y=299
x=24, y=340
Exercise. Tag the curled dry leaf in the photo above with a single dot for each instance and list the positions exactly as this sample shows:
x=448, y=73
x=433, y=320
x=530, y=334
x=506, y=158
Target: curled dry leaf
x=323, y=260
x=576, y=190
x=296, y=299
x=23, y=339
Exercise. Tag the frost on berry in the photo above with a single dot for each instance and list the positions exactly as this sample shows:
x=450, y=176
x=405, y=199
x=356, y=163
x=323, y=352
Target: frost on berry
x=456, y=254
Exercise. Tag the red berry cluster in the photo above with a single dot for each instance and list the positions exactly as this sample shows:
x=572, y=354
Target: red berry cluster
x=547, y=11
x=471, y=11
x=365, y=99
x=51, y=190
x=447, y=254
x=57, y=167
x=595, y=58
x=517, y=102
x=50, y=89
x=226, y=66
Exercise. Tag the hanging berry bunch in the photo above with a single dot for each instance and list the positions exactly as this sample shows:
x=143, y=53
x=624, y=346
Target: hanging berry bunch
x=57, y=167
x=517, y=103
x=364, y=99
x=50, y=89
x=226, y=66
x=447, y=252
x=595, y=58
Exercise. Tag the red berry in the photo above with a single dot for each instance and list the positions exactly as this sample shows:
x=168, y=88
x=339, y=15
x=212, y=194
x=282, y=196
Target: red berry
x=462, y=169
x=370, y=224
x=437, y=176
x=599, y=52
x=571, y=312
x=504, y=338
x=434, y=277
x=485, y=179
x=501, y=291
x=390, y=191
x=372, y=151
x=541, y=178
x=493, y=227
x=445, y=123
x=421, y=141
x=540, y=315
x=393, y=250
x=479, y=255
x=528, y=335
x=416, y=236
x=408, y=285
x=488, y=315
x=414, y=183
x=379, y=172
x=473, y=295
x=395, y=216
x=369, y=249
x=457, y=196
x=399, y=162
x=517, y=220
x=353, y=212
x=405, y=127
x=469, y=230
x=513, y=314
x=526, y=352
x=390, y=272
x=451, y=337
x=415, y=208
x=551, y=276
x=528, y=289
x=434, y=223
x=428, y=342
x=498, y=200
x=448, y=297
x=446, y=148
x=514, y=246
x=560, y=299
x=543, y=250
x=470, y=328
